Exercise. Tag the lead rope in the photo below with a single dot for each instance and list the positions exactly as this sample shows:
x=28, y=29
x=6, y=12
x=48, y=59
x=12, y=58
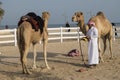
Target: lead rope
x=81, y=50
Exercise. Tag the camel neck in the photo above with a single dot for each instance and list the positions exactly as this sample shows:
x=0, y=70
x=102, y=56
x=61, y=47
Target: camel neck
x=81, y=24
x=45, y=23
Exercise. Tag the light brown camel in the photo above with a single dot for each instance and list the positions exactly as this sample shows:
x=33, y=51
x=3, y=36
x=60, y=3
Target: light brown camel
x=26, y=35
x=104, y=29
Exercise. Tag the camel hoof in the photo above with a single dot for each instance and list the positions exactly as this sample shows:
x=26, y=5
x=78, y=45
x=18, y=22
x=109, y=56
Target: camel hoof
x=101, y=61
x=28, y=72
x=111, y=58
x=48, y=68
x=34, y=67
x=45, y=69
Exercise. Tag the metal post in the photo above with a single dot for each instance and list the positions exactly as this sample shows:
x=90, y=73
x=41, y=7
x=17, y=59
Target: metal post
x=15, y=37
x=61, y=34
x=78, y=34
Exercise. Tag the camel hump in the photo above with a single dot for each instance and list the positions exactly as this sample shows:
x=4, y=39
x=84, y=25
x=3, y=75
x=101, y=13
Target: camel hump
x=32, y=14
x=36, y=21
x=100, y=13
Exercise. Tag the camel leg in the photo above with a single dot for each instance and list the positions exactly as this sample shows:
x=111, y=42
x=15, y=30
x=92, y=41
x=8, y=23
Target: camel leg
x=99, y=48
x=21, y=50
x=45, y=40
x=21, y=59
x=35, y=55
x=45, y=53
x=24, y=61
x=110, y=47
x=105, y=45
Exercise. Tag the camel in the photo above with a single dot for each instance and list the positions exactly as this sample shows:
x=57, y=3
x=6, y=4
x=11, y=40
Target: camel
x=104, y=29
x=26, y=36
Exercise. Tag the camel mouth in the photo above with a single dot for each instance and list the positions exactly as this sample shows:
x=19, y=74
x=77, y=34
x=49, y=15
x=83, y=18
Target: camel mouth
x=73, y=20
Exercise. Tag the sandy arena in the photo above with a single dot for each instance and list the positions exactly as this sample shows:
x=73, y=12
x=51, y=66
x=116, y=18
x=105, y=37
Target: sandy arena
x=63, y=67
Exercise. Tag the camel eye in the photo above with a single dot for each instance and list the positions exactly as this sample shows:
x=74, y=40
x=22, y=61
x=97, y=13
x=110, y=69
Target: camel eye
x=78, y=16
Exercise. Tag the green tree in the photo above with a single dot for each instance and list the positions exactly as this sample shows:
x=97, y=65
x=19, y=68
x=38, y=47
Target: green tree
x=1, y=11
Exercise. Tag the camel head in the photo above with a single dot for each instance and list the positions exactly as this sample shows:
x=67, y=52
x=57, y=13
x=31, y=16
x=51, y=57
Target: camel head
x=79, y=17
x=45, y=15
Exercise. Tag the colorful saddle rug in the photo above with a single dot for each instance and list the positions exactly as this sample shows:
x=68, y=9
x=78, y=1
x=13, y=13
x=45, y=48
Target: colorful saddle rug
x=36, y=21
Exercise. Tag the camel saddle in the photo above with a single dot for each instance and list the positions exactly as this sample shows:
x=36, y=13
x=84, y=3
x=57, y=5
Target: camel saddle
x=36, y=21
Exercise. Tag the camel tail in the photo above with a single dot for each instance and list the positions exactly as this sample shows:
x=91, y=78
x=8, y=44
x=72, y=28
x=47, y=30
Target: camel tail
x=20, y=38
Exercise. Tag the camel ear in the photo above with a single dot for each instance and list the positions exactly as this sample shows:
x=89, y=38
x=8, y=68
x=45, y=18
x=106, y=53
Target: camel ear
x=81, y=13
x=48, y=13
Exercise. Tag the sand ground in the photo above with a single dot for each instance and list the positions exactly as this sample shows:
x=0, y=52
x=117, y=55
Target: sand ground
x=63, y=67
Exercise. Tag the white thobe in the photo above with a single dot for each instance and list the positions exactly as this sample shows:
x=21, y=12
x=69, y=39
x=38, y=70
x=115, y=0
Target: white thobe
x=93, y=56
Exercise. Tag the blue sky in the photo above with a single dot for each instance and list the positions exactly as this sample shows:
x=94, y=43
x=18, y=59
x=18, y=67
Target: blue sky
x=60, y=10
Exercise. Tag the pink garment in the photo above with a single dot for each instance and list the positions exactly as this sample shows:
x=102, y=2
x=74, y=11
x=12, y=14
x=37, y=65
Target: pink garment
x=91, y=23
x=73, y=53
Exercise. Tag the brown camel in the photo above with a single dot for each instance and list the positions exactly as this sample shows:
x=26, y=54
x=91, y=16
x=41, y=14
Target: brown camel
x=27, y=35
x=104, y=29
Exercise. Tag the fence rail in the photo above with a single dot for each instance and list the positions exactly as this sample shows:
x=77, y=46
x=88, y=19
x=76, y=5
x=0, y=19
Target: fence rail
x=6, y=35
x=60, y=33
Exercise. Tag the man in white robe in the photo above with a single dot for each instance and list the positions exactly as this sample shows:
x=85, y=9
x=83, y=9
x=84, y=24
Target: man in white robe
x=93, y=55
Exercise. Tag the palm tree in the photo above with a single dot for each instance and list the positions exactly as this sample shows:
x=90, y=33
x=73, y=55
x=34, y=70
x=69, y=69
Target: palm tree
x=1, y=11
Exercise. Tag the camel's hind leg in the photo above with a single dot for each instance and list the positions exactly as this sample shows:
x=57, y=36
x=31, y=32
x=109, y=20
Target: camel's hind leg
x=110, y=47
x=35, y=55
x=110, y=37
x=21, y=59
x=24, y=60
x=22, y=49
x=105, y=45
x=99, y=48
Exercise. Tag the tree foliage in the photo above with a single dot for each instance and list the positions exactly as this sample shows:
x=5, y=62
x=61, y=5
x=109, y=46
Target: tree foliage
x=1, y=11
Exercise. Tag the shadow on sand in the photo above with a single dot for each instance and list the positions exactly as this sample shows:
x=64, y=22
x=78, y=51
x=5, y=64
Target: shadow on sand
x=17, y=75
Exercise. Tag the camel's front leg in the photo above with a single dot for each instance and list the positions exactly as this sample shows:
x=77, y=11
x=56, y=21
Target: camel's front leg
x=45, y=52
x=45, y=41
